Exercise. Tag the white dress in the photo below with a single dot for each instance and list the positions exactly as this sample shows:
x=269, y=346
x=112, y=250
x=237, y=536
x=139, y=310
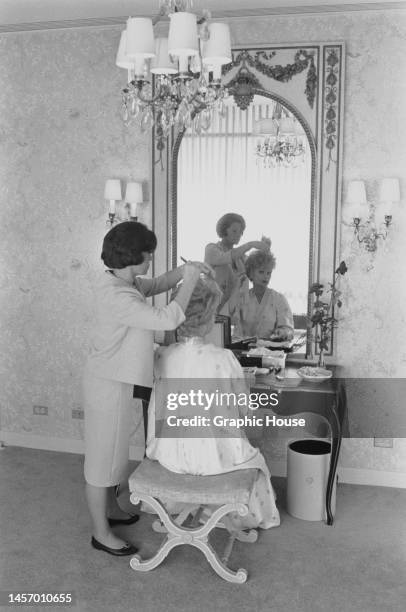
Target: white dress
x=213, y=454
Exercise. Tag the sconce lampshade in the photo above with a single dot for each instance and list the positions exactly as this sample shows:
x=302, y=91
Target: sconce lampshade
x=183, y=39
x=140, y=38
x=133, y=193
x=356, y=193
x=122, y=59
x=112, y=189
x=161, y=63
x=217, y=50
x=389, y=190
x=356, y=202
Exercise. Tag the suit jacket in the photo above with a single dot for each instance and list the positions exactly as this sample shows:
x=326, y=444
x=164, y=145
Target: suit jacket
x=123, y=338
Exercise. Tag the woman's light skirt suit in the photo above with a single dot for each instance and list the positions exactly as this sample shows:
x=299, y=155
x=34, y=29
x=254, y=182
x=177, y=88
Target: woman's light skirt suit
x=121, y=356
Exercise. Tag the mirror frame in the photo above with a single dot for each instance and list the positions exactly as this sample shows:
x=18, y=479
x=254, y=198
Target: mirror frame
x=319, y=109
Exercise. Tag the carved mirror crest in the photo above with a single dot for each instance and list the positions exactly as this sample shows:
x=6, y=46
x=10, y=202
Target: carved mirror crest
x=307, y=80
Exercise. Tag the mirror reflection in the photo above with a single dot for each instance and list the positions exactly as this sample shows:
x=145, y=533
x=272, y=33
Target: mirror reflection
x=256, y=164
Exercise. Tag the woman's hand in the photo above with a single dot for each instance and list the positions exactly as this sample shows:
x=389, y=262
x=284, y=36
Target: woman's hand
x=203, y=268
x=281, y=334
x=261, y=245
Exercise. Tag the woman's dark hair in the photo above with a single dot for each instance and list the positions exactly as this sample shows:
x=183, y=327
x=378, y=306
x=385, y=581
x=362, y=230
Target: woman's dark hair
x=226, y=220
x=125, y=243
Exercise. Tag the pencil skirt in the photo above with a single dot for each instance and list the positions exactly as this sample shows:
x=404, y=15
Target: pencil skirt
x=109, y=409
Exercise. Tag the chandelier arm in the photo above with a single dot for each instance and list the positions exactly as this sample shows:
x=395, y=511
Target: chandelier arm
x=151, y=100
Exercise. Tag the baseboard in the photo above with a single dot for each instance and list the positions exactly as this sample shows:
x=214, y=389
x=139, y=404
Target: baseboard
x=376, y=478
x=346, y=475
x=52, y=443
x=358, y=476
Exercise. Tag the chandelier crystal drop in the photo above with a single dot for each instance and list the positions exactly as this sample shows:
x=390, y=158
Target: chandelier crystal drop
x=186, y=89
x=283, y=139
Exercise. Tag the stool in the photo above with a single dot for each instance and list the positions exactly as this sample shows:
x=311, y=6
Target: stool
x=151, y=482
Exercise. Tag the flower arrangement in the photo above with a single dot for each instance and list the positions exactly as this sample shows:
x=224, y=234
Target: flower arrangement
x=322, y=316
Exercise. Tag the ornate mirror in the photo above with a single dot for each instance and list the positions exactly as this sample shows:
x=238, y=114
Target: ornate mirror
x=232, y=166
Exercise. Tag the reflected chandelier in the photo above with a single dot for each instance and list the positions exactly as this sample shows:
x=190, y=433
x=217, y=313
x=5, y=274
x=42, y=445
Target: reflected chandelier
x=186, y=65
x=283, y=143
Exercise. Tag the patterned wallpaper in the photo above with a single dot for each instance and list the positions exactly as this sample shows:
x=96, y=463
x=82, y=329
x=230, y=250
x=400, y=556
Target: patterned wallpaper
x=60, y=138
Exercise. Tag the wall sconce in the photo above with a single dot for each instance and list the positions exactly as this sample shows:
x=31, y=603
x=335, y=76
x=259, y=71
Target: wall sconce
x=112, y=192
x=133, y=197
x=370, y=224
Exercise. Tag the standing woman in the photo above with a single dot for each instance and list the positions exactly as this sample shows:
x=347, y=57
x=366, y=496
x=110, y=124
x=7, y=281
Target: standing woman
x=121, y=357
x=228, y=261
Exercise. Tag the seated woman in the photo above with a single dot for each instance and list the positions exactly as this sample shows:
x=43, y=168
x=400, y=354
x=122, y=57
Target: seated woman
x=216, y=453
x=265, y=313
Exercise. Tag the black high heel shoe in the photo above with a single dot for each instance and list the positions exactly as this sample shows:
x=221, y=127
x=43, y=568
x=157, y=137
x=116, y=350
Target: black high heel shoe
x=130, y=521
x=127, y=549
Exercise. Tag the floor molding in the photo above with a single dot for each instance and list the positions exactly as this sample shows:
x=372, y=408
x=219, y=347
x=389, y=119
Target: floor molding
x=346, y=475
x=358, y=476
x=52, y=443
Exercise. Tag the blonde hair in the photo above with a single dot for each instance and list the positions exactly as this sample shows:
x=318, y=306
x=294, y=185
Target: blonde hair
x=201, y=309
x=257, y=259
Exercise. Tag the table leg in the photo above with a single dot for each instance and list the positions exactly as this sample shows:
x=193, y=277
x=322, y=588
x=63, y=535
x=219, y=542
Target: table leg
x=336, y=434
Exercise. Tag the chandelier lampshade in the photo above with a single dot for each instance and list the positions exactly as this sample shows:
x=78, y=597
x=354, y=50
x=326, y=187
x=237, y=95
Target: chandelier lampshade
x=185, y=91
x=217, y=49
x=283, y=139
x=161, y=63
x=265, y=127
x=287, y=126
x=183, y=39
x=122, y=59
x=140, y=38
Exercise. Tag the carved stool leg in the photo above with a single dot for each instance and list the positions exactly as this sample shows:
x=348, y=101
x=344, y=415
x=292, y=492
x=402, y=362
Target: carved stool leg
x=179, y=520
x=197, y=537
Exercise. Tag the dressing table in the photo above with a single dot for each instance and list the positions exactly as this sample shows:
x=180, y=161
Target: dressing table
x=326, y=399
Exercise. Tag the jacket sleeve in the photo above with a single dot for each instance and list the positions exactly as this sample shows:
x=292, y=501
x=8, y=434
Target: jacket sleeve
x=130, y=310
x=160, y=284
x=284, y=316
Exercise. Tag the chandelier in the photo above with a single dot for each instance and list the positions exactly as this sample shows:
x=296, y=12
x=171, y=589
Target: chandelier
x=187, y=88
x=284, y=139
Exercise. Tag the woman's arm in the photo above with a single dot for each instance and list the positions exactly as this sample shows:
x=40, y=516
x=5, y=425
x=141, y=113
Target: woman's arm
x=162, y=283
x=284, y=326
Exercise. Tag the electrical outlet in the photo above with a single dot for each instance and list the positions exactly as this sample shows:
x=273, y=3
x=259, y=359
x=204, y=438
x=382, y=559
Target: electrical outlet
x=383, y=442
x=77, y=413
x=40, y=410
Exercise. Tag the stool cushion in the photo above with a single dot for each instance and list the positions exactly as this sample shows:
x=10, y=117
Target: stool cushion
x=150, y=478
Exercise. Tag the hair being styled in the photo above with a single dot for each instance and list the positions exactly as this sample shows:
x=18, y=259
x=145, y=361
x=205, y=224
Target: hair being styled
x=257, y=259
x=125, y=244
x=226, y=220
x=201, y=310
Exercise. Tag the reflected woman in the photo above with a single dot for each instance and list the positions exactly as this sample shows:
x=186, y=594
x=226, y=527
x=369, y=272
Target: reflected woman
x=228, y=262
x=265, y=313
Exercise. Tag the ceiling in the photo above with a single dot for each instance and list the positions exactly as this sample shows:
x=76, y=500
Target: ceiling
x=34, y=11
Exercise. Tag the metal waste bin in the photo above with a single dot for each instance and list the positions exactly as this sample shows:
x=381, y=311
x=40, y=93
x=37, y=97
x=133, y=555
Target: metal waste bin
x=308, y=467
